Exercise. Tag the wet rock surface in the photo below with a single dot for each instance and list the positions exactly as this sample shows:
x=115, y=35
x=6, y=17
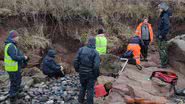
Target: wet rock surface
x=61, y=91
x=135, y=84
x=176, y=52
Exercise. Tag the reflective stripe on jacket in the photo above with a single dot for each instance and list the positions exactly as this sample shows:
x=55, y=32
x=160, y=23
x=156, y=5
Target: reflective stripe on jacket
x=138, y=31
x=101, y=44
x=136, y=51
x=9, y=63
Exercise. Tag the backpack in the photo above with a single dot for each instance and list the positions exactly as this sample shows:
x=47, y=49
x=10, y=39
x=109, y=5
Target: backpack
x=128, y=54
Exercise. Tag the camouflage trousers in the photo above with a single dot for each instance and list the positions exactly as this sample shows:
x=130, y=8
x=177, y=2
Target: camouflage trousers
x=162, y=44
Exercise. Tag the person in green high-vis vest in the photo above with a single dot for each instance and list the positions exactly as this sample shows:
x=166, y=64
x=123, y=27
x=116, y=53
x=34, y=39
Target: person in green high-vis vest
x=101, y=42
x=13, y=60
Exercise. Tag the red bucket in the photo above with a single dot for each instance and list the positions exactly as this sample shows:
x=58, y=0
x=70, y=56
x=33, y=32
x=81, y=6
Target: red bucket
x=100, y=90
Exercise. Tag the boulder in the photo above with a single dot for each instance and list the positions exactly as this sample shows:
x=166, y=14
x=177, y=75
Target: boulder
x=35, y=73
x=38, y=78
x=27, y=81
x=110, y=64
x=3, y=77
x=135, y=84
x=67, y=68
x=105, y=79
x=35, y=59
x=176, y=53
x=31, y=71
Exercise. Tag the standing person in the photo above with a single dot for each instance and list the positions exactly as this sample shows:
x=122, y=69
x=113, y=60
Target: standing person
x=101, y=42
x=49, y=67
x=145, y=32
x=87, y=62
x=163, y=29
x=13, y=60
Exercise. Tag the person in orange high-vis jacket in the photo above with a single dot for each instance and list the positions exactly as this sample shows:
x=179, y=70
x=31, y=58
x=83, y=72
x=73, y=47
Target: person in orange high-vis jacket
x=135, y=45
x=136, y=52
x=145, y=32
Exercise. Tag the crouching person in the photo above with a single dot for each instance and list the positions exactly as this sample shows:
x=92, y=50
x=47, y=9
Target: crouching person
x=133, y=52
x=49, y=67
x=13, y=59
x=87, y=62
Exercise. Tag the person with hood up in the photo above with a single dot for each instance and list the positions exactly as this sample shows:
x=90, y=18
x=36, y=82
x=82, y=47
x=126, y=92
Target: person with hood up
x=86, y=63
x=49, y=67
x=13, y=61
x=163, y=29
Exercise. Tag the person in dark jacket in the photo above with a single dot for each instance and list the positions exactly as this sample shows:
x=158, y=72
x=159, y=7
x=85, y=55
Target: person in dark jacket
x=13, y=60
x=163, y=29
x=87, y=62
x=49, y=67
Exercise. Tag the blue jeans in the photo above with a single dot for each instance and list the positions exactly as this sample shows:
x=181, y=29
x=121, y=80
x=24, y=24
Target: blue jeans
x=15, y=83
x=87, y=84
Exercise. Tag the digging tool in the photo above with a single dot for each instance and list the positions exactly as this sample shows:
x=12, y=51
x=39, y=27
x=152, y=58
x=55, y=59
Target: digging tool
x=124, y=65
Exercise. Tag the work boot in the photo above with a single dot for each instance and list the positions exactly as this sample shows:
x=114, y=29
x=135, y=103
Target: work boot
x=13, y=99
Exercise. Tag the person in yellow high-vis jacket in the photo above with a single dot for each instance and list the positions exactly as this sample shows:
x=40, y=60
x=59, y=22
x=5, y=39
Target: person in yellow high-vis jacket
x=101, y=42
x=13, y=60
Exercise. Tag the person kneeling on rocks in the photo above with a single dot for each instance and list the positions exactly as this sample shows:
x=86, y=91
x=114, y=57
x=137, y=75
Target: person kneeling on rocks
x=87, y=62
x=134, y=50
x=49, y=67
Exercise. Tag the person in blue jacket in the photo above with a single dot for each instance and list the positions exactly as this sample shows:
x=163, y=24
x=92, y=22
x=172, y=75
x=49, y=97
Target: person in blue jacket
x=13, y=55
x=163, y=30
x=49, y=67
x=86, y=63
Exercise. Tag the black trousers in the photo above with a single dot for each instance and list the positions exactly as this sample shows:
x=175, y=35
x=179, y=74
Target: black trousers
x=86, y=85
x=15, y=83
x=144, y=49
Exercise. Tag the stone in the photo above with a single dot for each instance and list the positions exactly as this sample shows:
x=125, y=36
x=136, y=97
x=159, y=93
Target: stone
x=4, y=77
x=50, y=102
x=27, y=81
x=176, y=52
x=27, y=97
x=4, y=97
x=35, y=59
x=67, y=68
x=110, y=64
x=31, y=71
x=105, y=79
x=134, y=83
x=44, y=98
x=40, y=77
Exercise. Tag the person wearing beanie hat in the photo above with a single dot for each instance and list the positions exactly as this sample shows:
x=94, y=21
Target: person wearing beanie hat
x=163, y=30
x=87, y=62
x=13, y=61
